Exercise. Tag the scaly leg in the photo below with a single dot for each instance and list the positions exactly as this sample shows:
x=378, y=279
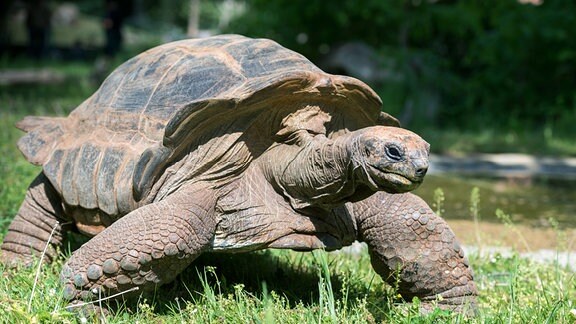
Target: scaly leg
x=413, y=248
x=148, y=247
x=40, y=213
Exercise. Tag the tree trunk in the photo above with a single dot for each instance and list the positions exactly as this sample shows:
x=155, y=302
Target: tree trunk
x=193, y=18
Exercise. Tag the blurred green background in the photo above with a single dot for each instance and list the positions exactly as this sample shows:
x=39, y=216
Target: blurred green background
x=470, y=76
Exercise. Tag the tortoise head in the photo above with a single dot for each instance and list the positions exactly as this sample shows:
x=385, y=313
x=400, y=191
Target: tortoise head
x=391, y=159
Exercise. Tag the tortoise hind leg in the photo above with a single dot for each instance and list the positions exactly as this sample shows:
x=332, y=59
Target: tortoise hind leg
x=40, y=213
x=414, y=249
x=146, y=248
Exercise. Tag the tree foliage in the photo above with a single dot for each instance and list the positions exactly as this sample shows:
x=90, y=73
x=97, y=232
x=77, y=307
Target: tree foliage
x=485, y=61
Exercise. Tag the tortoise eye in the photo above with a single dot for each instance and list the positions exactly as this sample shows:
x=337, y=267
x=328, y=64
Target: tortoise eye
x=394, y=152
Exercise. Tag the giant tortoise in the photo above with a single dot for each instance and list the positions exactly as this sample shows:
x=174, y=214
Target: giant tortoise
x=229, y=144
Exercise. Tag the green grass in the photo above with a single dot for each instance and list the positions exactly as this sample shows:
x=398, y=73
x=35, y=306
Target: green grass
x=291, y=287
x=262, y=287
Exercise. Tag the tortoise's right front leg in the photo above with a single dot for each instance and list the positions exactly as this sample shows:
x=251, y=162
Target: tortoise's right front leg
x=146, y=248
x=414, y=249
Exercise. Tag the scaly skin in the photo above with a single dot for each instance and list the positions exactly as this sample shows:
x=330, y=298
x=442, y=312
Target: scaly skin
x=40, y=213
x=409, y=242
x=148, y=247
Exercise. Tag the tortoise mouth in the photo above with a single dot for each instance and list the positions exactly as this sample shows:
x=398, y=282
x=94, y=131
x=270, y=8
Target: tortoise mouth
x=391, y=181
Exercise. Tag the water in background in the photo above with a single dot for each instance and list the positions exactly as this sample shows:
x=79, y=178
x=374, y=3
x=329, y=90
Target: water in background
x=530, y=201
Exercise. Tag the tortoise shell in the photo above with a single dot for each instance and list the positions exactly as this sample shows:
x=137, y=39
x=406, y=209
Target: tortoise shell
x=190, y=110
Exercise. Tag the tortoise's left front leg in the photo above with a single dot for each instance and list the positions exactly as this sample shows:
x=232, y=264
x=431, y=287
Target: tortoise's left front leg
x=37, y=227
x=146, y=248
x=414, y=249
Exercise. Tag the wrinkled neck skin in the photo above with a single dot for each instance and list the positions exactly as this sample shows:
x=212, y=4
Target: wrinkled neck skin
x=316, y=172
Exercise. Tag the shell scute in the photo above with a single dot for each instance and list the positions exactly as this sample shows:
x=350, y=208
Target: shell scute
x=102, y=99
x=265, y=57
x=106, y=181
x=68, y=186
x=196, y=78
x=91, y=155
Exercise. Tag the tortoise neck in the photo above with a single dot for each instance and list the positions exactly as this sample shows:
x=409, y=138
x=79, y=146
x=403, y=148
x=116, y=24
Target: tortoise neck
x=320, y=173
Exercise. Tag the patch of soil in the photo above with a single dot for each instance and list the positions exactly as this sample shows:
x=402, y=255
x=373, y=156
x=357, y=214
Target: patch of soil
x=521, y=237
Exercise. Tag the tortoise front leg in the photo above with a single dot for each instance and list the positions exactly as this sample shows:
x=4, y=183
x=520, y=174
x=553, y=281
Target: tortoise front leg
x=39, y=215
x=414, y=249
x=148, y=247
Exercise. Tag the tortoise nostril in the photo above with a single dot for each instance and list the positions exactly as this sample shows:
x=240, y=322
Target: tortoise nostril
x=421, y=172
x=420, y=167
